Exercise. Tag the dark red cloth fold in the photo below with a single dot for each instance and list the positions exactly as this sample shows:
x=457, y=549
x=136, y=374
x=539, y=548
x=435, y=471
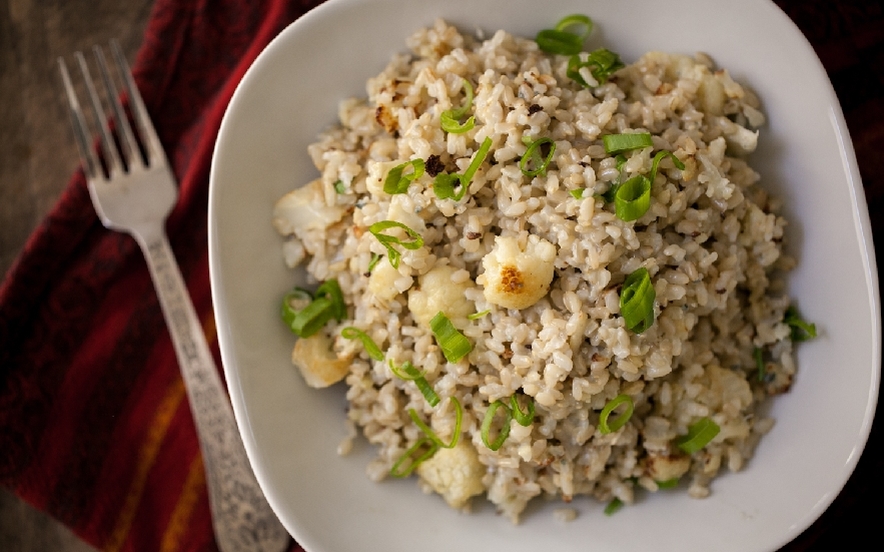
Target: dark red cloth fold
x=94, y=424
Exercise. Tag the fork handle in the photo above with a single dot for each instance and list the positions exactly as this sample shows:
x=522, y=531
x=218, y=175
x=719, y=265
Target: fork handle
x=242, y=518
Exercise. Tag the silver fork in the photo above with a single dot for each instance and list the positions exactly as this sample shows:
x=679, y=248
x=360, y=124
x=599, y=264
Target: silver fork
x=133, y=193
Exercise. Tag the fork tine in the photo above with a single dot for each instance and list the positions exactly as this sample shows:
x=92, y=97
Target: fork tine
x=108, y=148
x=91, y=164
x=151, y=142
x=128, y=143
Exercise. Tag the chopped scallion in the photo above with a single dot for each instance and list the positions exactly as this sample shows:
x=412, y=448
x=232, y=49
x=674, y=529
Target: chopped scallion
x=759, y=363
x=659, y=157
x=373, y=262
x=445, y=183
x=609, y=427
x=613, y=506
x=478, y=315
x=534, y=155
x=367, y=342
x=414, y=240
x=450, y=118
x=801, y=330
x=420, y=451
x=458, y=419
x=340, y=187
x=632, y=199
x=578, y=193
x=698, y=436
x=637, y=301
x=397, y=180
x=594, y=68
x=668, y=484
x=522, y=418
x=306, y=314
x=409, y=373
x=554, y=41
x=616, y=143
x=453, y=343
x=582, y=22
x=488, y=421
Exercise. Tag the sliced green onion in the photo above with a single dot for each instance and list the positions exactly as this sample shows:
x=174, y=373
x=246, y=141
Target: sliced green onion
x=615, y=143
x=453, y=126
x=478, y=315
x=668, y=484
x=522, y=418
x=659, y=157
x=445, y=183
x=306, y=314
x=373, y=262
x=331, y=290
x=409, y=373
x=414, y=241
x=367, y=342
x=578, y=193
x=632, y=199
x=397, y=182
x=637, y=301
x=420, y=451
x=575, y=20
x=340, y=187
x=534, y=155
x=450, y=118
x=801, y=330
x=554, y=41
x=453, y=343
x=609, y=427
x=593, y=69
x=759, y=363
x=699, y=435
x=488, y=420
x=613, y=506
x=458, y=419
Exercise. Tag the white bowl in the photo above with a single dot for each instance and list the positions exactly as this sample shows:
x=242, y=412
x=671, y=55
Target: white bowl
x=805, y=156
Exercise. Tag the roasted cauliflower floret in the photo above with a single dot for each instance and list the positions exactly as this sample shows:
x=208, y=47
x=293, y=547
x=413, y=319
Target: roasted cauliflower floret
x=305, y=209
x=454, y=473
x=437, y=292
x=318, y=364
x=382, y=281
x=665, y=467
x=516, y=277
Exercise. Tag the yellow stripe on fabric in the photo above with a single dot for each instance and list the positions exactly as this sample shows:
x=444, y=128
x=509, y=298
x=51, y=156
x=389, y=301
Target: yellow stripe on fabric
x=147, y=455
x=179, y=523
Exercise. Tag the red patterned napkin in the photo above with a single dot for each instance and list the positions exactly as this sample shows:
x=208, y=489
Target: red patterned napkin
x=95, y=428
x=94, y=424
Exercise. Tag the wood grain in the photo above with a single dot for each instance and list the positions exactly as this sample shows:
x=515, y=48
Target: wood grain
x=38, y=157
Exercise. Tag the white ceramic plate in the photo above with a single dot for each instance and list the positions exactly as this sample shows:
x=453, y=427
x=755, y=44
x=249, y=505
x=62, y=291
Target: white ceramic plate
x=291, y=432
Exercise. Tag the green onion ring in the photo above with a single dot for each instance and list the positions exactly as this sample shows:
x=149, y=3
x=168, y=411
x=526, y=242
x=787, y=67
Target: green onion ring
x=524, y=419
x=367, y=342
x=485, y=431
x=632, y=199
x=606, y=427
x=377, y=229
x=397, y=182
x=698, y=436
x=408, y=372
x=533, y=153
x=554, y=41
x=420, y=451
x=453, y=343
x=428, y=431
x=616, y=143
x=637, y=301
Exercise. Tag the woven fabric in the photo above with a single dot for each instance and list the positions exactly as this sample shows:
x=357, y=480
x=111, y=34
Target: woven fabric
x=94, y=423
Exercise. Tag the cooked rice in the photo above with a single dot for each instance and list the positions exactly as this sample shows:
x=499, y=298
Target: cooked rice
x=712, y=242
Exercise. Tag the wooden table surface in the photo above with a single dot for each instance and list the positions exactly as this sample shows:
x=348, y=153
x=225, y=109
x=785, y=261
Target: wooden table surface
x=37, y=158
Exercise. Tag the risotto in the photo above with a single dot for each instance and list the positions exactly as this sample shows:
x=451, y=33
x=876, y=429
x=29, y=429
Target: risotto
x=543, y=274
